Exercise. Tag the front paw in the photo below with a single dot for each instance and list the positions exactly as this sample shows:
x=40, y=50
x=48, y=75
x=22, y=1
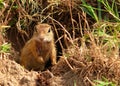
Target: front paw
x=54, y=63
x=40, y=60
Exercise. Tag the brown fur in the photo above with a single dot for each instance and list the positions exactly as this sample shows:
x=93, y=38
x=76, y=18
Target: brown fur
x=39, y=49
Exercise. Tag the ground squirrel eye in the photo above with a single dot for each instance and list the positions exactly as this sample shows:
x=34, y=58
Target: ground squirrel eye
x=48, y=30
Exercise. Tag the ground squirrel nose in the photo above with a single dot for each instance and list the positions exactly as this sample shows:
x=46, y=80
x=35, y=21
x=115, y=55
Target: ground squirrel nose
x=42, y=36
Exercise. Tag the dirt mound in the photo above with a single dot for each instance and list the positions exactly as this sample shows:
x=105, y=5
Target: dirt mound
x=12, y=74
x=71, y=71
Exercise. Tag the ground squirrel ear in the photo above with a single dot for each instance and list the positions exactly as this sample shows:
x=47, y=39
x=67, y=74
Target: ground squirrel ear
x=49, y=30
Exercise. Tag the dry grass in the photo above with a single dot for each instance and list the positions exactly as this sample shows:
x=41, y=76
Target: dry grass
x=91, y=49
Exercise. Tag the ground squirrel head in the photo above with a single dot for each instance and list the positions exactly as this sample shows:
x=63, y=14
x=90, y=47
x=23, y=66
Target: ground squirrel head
x=44, y=32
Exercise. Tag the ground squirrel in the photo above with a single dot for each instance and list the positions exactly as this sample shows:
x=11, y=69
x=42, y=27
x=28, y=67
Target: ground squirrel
x=39, y=49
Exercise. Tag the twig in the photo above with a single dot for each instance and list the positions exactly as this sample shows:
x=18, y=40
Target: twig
x=71, y=15
x=61, y=26
x=58, y=36
x=68, y=64
x=93, y=84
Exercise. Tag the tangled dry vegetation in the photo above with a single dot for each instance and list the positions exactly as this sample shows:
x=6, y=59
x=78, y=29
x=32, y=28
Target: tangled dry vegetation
x=90, y=47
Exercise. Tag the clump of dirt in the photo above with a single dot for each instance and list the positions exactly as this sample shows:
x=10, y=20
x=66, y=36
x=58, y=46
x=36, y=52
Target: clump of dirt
x=83, y=73
x=13, y=74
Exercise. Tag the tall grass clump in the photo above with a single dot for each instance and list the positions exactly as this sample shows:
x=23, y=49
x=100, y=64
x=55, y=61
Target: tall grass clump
x=111, y=8
x=103, y=10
